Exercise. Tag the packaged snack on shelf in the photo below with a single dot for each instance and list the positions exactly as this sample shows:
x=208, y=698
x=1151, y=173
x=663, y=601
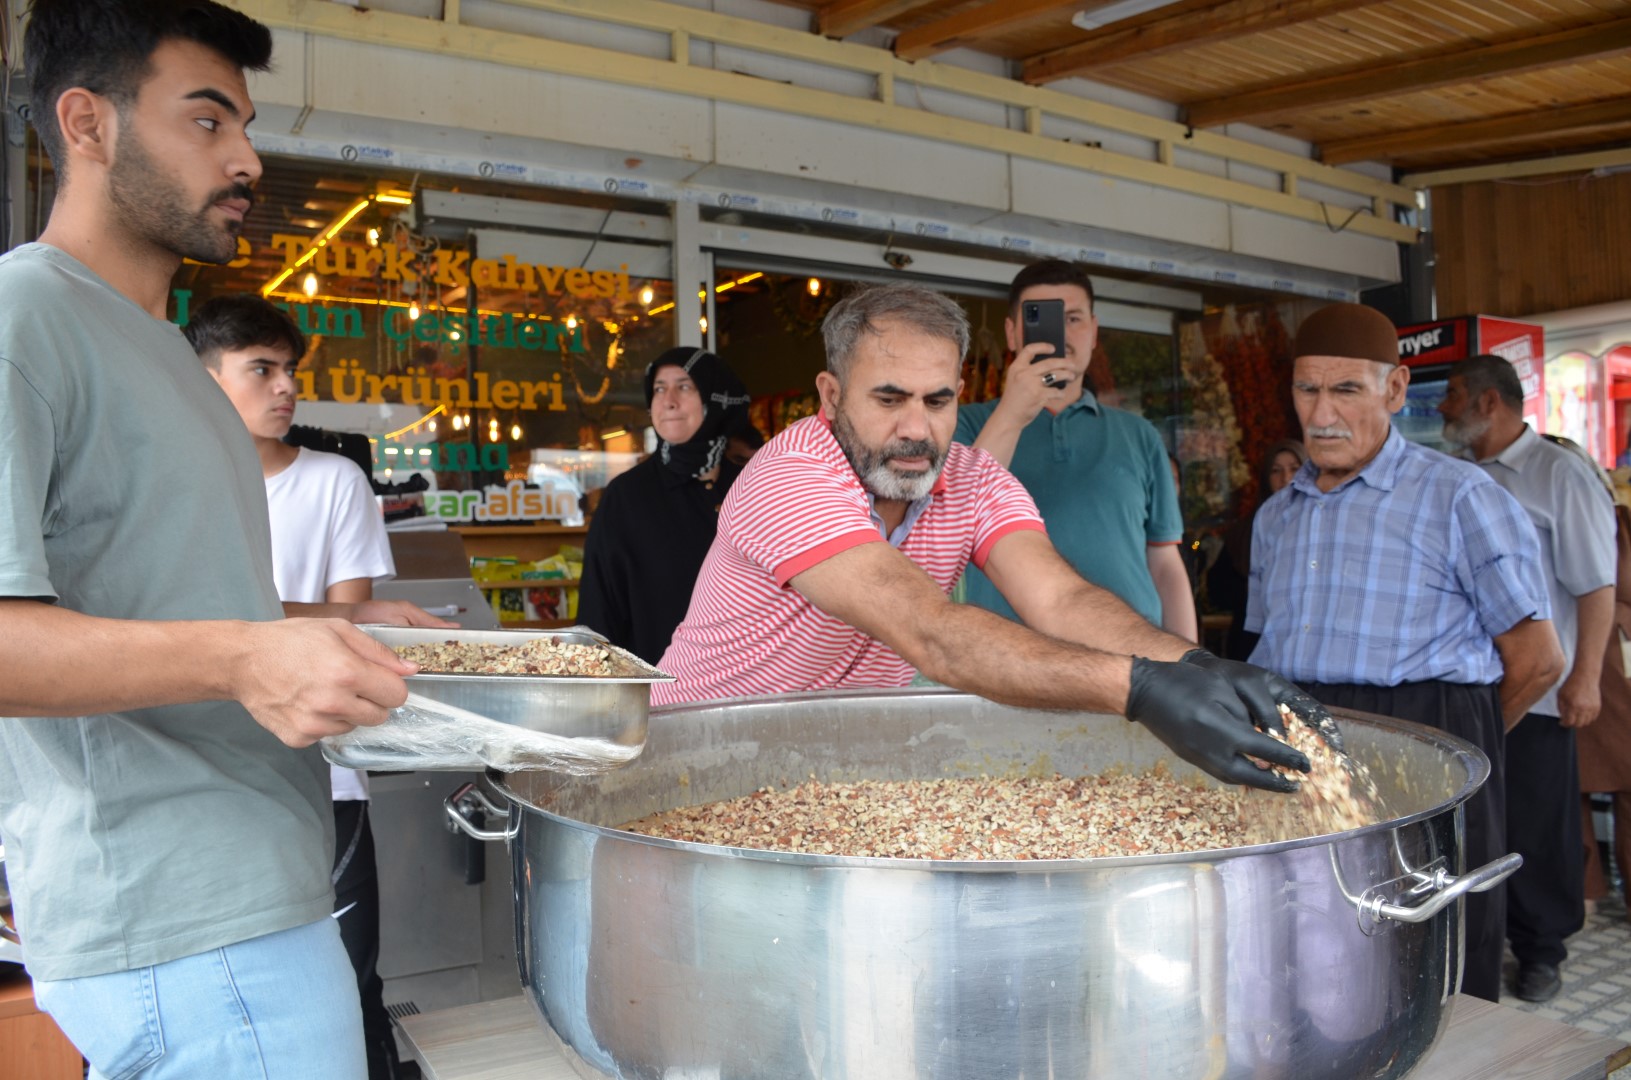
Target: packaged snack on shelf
x=567, y=563
x=494, y=568
x=560, y=602
x=508, y=605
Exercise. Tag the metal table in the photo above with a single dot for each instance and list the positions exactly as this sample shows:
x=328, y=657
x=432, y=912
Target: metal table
x=502, y=1040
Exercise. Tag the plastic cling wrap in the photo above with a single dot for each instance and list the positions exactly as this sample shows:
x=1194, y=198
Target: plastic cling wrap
x=426, y=734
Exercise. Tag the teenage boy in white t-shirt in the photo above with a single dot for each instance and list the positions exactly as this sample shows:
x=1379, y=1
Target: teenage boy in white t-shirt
x=328, y=546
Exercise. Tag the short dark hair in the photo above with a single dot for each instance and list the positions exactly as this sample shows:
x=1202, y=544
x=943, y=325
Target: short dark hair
x=229, y=323
x=918, y=306
x=106, y=47
x=1050, y=272
x=1490, y=372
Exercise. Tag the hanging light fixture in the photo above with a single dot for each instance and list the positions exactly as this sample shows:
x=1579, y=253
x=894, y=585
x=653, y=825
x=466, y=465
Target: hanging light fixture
x=515, y=432
x=571, y=322
x=702, y=324
x=309, y=285
x=373, y=238
x=457, y=423
x=432, y=426
x=647, y=295
x=814, y=285
x=413, y=311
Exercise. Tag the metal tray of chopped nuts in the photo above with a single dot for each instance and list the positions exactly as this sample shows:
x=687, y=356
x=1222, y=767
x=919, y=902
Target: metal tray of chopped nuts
x=605, y=700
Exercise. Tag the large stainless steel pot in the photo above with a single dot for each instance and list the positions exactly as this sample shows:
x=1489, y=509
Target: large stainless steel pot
x=1328, y=957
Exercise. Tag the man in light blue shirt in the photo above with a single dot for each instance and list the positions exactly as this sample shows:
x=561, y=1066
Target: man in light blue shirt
x=1099, y=475
x=1574, y=519
x=1393, y=579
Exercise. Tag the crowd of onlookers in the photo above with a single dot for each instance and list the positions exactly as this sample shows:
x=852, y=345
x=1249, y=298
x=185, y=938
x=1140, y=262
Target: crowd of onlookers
x=1476, y=594
x=1479, y=596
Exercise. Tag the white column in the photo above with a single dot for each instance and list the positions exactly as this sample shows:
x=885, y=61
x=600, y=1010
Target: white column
x=690, y=273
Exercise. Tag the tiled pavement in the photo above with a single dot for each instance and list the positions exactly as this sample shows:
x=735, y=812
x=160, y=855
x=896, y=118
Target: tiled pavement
x=1596, y=978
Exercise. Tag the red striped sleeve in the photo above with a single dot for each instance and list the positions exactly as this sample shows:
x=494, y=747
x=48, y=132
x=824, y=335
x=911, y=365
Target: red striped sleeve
x=792, y=510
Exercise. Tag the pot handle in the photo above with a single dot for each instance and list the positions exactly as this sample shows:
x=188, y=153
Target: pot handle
x=465, y=801
x=1440, y=888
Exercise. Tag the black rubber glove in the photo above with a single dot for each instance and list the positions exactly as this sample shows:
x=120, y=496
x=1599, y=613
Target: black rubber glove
x=1263, y=692
x=1198, y=714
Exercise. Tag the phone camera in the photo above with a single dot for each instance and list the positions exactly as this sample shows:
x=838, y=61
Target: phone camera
x=1033, y=314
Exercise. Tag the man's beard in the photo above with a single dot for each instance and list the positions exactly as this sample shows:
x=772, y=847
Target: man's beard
x=873, y=467
x=1462, y=433
x=154, y=207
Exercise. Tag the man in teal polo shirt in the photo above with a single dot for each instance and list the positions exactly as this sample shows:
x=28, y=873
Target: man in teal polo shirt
x=1099, y=475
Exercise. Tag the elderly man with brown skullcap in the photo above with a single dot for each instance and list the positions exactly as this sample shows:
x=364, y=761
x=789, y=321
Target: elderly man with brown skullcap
x=1389, y=578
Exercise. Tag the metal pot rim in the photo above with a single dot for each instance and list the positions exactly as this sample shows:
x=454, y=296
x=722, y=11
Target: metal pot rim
x=1477, y=765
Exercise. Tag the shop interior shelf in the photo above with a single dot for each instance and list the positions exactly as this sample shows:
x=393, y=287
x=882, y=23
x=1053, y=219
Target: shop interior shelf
x=531, y=583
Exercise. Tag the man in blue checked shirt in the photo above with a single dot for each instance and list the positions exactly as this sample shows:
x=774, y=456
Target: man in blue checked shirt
x=1389, y=578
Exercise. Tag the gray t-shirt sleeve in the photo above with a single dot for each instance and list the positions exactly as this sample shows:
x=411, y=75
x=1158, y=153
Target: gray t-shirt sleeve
x=27, y=494
x=1584, y=554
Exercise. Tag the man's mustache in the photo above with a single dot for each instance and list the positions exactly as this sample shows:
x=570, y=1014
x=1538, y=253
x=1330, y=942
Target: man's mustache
x=235, y=191
x=1329, y=433
x=916, y=448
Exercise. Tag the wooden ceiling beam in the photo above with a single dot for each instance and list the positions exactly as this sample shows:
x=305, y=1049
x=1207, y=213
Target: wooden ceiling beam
x=969, y=27
x=1469, y=134
x=842, y=18
x=1555, y=165
x=1410, y=76
x=1183, y=25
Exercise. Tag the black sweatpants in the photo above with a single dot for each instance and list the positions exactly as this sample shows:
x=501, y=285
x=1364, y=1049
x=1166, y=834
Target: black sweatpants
x=356, y=907
x=1546, y=899
x=1472, y=713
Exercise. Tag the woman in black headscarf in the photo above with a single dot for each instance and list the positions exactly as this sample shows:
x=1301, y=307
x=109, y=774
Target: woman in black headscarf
x=656, y=522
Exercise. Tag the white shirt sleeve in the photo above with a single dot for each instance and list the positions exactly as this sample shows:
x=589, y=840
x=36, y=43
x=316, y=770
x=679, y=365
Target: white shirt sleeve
x=360, y=546
x=326, y=527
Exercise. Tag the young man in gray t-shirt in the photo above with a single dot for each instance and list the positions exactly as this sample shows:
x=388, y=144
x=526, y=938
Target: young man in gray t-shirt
x=163, y=808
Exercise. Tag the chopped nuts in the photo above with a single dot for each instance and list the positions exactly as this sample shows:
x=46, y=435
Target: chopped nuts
x=537, y=656
x=1337, y=793
x=966, y=818
x=1024, y=817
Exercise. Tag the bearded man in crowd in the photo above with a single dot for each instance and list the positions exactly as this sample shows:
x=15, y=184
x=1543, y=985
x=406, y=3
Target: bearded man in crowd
x=840, y=542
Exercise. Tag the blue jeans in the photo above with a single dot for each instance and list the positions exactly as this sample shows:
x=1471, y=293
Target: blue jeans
x=278, y=1007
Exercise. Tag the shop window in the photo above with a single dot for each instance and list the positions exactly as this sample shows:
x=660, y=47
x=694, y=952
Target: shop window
x=475, y=360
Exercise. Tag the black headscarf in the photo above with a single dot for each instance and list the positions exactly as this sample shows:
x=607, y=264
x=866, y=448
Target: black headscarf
x=724, y=410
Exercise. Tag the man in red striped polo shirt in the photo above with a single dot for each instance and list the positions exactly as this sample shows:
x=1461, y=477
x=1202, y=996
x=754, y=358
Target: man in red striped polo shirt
x=839, y=544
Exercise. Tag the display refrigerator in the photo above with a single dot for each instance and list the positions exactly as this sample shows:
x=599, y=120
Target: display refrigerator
x=1588, y=399
x=1429, y=349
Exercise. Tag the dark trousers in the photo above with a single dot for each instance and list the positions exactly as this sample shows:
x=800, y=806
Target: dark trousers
x=1472, y=713
x=1545, y=900
x=356, y=904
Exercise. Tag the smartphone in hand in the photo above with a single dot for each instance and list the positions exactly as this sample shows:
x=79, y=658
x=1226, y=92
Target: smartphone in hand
x=1043, y=320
